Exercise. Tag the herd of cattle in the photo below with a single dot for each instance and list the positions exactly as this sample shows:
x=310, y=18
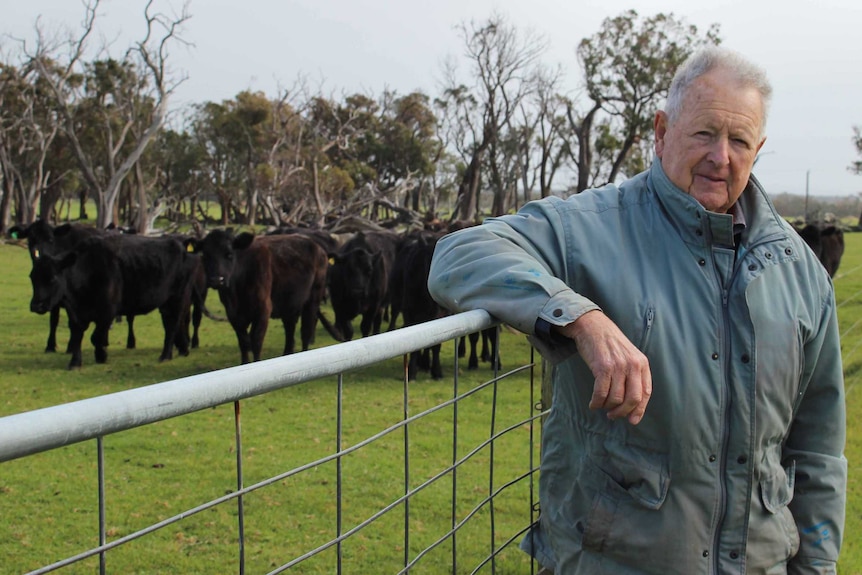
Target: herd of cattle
x=97, y=276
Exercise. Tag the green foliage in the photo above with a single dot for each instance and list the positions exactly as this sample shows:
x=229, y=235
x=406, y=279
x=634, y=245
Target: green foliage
x=628, y=66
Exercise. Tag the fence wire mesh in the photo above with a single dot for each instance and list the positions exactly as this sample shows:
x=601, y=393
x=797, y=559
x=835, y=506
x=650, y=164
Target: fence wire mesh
x=447, y=485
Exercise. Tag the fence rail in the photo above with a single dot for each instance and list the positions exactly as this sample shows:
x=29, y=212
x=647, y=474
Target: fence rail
x=28, y=433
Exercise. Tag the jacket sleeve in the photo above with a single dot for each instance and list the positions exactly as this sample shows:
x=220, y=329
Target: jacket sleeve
x=816, y=444
x=515, y=268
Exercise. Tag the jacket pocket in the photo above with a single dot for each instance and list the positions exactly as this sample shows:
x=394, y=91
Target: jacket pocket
x=639, y=473
x=776, y=488
x=776, y=493
x=629, y=485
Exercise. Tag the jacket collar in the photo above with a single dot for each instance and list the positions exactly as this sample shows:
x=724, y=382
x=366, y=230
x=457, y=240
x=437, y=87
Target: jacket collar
x=699, y=224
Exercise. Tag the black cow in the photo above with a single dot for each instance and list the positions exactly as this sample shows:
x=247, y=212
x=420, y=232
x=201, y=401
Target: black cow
x=827, y=243
x=104, y=277
x=359, y=281
x=44, y=239
x=410, y=283
x=262, y=277
x=410, y=297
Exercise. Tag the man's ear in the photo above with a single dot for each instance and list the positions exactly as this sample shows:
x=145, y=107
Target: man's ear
x=760, y=145
x=660, y=130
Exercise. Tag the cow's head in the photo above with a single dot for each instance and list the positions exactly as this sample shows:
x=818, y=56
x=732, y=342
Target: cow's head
x=359, y=268
x=48, y=280
x=219, y=252
x=39, y=236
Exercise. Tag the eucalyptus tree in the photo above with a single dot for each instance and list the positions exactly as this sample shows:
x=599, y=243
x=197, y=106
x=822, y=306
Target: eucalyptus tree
x=232, y=133
x=175, y=159
x=627, y=68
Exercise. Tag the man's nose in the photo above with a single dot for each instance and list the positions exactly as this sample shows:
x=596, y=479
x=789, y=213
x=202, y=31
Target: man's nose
x=719, y=151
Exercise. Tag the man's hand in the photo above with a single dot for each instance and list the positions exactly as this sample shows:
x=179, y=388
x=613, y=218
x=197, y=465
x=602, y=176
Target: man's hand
x=623, y=380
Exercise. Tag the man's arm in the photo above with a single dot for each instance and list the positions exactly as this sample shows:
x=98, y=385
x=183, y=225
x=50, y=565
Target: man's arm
x=816, y=443
x=515, y=268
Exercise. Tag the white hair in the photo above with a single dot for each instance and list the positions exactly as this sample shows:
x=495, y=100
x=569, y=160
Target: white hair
x=748, y=74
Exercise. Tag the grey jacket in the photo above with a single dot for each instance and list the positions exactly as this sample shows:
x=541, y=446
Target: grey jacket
x=737, y=466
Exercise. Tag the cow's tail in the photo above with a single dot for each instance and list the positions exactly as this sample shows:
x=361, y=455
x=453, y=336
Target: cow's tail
x=333, y=331
x=208, y=313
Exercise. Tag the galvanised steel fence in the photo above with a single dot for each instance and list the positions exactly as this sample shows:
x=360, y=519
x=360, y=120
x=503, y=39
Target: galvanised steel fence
x=96, y=419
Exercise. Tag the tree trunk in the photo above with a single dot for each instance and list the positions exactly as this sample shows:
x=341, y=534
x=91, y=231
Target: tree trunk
x=468, y=189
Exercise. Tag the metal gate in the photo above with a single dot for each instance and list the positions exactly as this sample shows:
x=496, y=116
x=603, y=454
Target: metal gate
x=477, y=530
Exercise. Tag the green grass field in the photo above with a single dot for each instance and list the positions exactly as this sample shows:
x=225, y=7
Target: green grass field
x=48, y=502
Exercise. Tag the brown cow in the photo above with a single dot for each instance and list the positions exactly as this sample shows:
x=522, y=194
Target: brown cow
x=266, y=276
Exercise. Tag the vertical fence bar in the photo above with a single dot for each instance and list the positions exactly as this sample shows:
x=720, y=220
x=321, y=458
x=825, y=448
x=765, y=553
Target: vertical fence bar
x=455, y=460
x=406, y=414
x=103, y=520
x=239, y=486
x=491, y=471
x=339, y=439
x=531, y=458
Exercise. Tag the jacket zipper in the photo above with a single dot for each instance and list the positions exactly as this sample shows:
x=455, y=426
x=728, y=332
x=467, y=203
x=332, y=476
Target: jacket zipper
x=725, y=432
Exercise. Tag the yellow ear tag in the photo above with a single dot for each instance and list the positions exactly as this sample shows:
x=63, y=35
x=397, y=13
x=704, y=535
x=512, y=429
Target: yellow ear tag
x=36, y=254
x=189, y=248
x=332, y=261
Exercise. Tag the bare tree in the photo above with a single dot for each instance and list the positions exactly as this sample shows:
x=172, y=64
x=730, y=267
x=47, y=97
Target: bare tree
x=28, y=130
x=856, y=166
x=501, y=60
x=138, y=93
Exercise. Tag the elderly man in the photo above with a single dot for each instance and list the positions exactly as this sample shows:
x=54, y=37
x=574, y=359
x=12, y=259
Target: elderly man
x=698, y=412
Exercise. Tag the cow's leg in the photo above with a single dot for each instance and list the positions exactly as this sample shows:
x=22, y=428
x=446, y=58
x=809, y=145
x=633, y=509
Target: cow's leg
x=423, y=362
x=436, y=370
x=289, y=322
x=255, y=342
x=172, y=316
x=367, y=321
x=244, y=346
x=170, y=335
x=197, y=315
x=76, y=336
x=131, y=342
x=473, y=362
x=378, y=319
x=394, y=311
x=345, y=328
x=309, y=323
x=491, y=335
x=412, y=365
x=99, y=339
x=53, y=322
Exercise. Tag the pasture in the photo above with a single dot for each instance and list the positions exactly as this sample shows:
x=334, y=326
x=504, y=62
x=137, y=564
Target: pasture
x=48, y=501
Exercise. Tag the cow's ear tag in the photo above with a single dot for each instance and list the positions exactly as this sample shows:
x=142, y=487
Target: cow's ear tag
x=36, y=254
x=189, y=248
x=332, y=261
x=14, y=235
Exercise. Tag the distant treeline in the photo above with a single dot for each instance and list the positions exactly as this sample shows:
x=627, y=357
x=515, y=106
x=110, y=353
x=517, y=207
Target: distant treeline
x=817, y=208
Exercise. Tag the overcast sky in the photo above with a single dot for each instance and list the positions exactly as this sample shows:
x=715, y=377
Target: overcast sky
x=810, y=49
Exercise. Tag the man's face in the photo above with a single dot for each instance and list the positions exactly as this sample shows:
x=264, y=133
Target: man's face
x=709, y=150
